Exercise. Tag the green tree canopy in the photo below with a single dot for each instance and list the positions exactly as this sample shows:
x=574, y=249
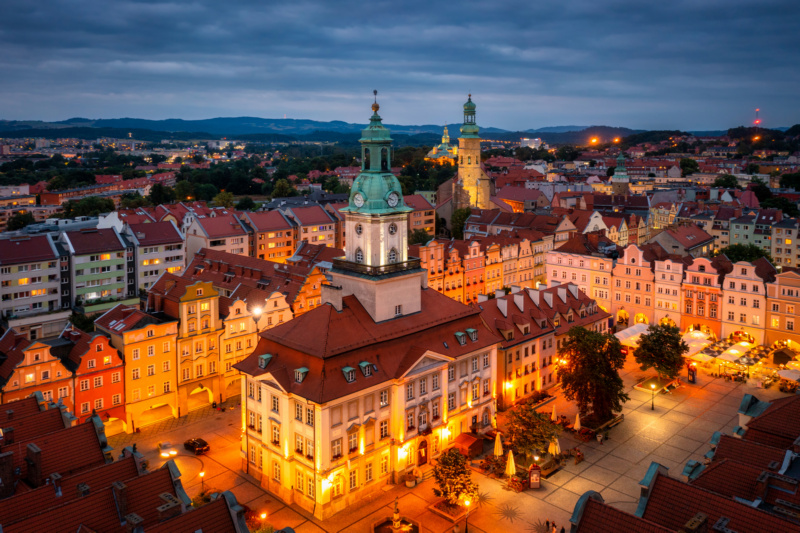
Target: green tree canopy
x=567, y=153
x=205, y=192
x=224, y=199
x=246, y=204
x=743, y=252
x=91, y=206
x=453, y=479
x=530, y=432
x=20, y=220
x=159, y=194
x=726, y=182
x=788, y=207
x=283, y=189
x=752, y=168
x=132, y=201
x=791, y=181
x=689, y=166
x=590, y=373
x=184, y=190
x=458, y=220
x=419, y=236
x=661, y=348
x=760, y=189
x=82, y=322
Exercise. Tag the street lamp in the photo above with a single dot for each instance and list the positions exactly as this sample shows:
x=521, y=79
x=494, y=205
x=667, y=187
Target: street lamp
x=653, y=398
x=466, y=521
x=263, y=518
x=202, y=482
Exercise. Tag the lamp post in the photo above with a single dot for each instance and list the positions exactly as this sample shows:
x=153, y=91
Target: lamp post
x=466, y=521
x=263, y=519
x=653, y=397
x=202, y=482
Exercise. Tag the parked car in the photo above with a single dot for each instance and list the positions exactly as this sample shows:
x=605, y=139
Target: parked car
x=197, y=446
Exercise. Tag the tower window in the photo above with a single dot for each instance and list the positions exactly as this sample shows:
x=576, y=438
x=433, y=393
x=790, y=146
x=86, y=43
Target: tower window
x=359, y=229
x=392, y=228
x=359, y=256
x=392, y=255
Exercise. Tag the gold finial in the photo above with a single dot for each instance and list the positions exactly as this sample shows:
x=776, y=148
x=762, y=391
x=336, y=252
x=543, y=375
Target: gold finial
x=375, y=106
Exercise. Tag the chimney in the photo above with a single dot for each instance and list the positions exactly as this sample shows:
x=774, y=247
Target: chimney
x=770, y=480
x=55, y=478
x=34, y=462
x=133, y=522
x=554, y=283
x=83, y=490
x=482, y=298
x=502, y=305
x=8, y=436
x=515, y=289
x=562, y=294
x=6, y=474
x=519, y=300
x=120, y=491
x=331, y=294
x=697, y=524
x=499, y=293
x=170, y=508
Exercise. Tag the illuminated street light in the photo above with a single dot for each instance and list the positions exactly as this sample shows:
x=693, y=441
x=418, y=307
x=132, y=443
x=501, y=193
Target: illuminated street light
x=202, y=482
x=466, y=521
x=653, y=398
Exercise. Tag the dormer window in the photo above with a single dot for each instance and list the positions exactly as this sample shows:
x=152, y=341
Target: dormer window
x=199, y=292
x=150, y=333
x=349, y=374
x=366, y=368
x=473, y=334
x=461, y=337
x=264, y=359
x=300, y=374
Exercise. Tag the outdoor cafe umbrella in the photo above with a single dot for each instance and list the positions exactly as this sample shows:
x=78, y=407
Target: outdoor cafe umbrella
x=553, y=417
x=511, y=468
x=577, y=426
x=498, y=446
x=554, y=448
x=793, y=375
x=745, y=360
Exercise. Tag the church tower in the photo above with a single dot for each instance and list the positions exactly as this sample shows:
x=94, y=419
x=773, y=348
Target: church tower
x=376, y=268
x=620, y=181
x=473, y=180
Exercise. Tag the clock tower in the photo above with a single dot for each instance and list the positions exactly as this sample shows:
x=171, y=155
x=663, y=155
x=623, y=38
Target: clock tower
x=376, y=267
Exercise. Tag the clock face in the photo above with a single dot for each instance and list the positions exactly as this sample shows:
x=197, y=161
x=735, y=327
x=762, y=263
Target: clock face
x=393, y=199
x=358, y=199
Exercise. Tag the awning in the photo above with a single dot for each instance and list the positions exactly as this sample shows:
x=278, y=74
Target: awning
x=630, y=336
x=729, y=357
x=781, y=357
x=792, y=375
x=702, y=358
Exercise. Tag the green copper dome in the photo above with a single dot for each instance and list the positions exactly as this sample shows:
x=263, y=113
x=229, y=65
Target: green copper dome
x=376, y=190
x=469, y=130
x=469, y=105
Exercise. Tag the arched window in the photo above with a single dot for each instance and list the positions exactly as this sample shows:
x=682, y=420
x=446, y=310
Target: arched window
x=359, y=256
x=359, y=229
x=392, y=228
x=393, y=256
x=384, y=159
x=366, y=159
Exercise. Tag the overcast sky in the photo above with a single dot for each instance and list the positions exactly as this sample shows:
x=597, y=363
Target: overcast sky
x=683, y=64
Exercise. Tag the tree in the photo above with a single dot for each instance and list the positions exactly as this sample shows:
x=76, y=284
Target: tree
x=726, y=181
x=788, y=207
x=610, y=171
x=184, y=190
x=752, y=168
x=82, y=322
x=590, y=372
x=458, y=220
x=224, y=199
x=661, y=348
x=743, y=252
x=132, y=201
x=20, y=220
x=159, y=194
x=419, y=236
x=760, y=189
x=205, y=191
x=567, y=153
x=689, y=166
x=91, y=206
x=452, y=476
x=246, y=204
x=283, y=189
x=530, y=432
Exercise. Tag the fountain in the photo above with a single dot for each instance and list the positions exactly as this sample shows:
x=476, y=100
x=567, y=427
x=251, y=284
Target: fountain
x=396, y=523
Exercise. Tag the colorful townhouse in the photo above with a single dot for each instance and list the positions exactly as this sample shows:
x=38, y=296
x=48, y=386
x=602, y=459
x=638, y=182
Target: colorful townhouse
x=157, y=247
x=148, y=345
x=272, y=236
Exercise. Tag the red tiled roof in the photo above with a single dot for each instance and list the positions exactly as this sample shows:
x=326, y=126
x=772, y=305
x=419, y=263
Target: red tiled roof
x=672, y=503
x=21, y=408
x=122, y=318
x=91, y=241
x=778, y=425
x=748, y=452
x=689, y=236
x=417, y=202
x=350, y=337
x=312, y=215
x=519, y=194
x=155, y=233
x=221, y=226
x=268, y=221
x=214, y=517
x=599, y=517
x=15, y=251
x=28, y=428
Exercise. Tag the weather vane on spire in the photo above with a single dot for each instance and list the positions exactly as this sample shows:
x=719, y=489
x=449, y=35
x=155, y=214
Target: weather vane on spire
x=375, y=106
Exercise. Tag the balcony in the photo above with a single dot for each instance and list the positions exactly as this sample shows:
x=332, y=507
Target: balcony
x=382, y=270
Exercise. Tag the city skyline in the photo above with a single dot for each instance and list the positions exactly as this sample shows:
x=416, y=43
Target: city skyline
x=527, y=66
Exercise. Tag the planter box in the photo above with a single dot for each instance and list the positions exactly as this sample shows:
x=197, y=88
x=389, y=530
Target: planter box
x=461, y=512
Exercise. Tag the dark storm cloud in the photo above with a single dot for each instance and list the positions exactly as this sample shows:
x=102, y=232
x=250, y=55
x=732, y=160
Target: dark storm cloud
x=683, y=64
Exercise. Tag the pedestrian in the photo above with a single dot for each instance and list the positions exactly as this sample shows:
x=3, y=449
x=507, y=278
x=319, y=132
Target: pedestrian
x=547, y=525
x=563, y=530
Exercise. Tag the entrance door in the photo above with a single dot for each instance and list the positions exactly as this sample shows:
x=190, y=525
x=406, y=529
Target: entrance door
x=422, y=453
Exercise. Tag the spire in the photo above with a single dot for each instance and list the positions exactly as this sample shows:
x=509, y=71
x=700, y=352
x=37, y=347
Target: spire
x=446, y=136
x=375, y=106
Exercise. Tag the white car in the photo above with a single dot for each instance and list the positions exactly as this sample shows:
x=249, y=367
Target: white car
x=167, y=450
